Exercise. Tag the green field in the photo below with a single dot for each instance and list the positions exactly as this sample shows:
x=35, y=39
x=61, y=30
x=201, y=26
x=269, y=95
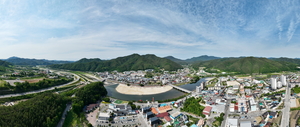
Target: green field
x=118, y=101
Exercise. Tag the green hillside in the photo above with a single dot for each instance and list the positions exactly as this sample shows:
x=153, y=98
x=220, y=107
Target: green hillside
x=3, y=65
x=247, y=65
x=176, y=60
x=126, y=63
x=284, y=59
x=33, y=62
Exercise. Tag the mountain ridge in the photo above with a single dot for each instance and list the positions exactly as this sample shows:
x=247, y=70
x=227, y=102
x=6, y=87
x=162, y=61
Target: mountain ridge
x=124, y=63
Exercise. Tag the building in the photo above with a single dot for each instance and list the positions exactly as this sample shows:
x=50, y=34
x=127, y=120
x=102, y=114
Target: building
x=245, y=124
x=154, y=120
x=273, y=83
x=91, y=107
x=279, y=84
x=198, y=89
x=207, y=110
x=218, y=108
x=283, y=80
x=164, y=109
x=242, y=105
x=232, y=123
x=103, y=116
x=253, y=104
x=231, y=108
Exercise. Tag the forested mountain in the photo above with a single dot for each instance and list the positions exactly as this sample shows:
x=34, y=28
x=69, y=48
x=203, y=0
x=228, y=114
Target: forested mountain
x=247, y=65
x=126, y=63
x=33, y=62
x=192, y=60
x=41, y=111
x=176, y=60
x=291, y=60
x=201, y=58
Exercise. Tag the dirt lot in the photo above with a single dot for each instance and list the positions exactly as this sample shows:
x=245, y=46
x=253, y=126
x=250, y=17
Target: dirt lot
x=33, y=80
x=92, y=116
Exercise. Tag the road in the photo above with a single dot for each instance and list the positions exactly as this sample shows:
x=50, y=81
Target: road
x=286, y=110
x=63, y=117
x=76, y=78
x=226, y=113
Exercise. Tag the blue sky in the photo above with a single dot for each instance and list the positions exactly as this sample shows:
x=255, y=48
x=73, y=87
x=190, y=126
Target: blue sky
x=105, y=29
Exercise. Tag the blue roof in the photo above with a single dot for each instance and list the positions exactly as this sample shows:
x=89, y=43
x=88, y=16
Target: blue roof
x=194, y=125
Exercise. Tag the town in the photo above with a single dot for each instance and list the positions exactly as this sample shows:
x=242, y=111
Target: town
x=226, y=101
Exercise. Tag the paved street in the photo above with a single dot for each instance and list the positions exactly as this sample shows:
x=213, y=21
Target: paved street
x=226, y=113
x=286, y=110
x=61, y=122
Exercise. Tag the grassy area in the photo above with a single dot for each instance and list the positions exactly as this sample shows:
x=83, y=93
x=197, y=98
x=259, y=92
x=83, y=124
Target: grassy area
x=73, y=120
x=2, y=82
x=118, y=101
x=296, y=90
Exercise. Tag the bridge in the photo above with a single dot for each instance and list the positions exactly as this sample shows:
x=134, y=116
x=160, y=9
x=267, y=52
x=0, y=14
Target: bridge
x=181, y=89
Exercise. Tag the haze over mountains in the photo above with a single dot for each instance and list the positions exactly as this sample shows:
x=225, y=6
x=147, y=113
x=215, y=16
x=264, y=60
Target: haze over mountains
x=25, y=61
x=169, y=63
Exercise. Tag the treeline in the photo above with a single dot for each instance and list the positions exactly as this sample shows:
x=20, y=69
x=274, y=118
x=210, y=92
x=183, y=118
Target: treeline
x=87, y=95
x=45, y=83
x=192, y=105
x=45, y=110
x=127, y=63
x=247, y=65
x=41, y=111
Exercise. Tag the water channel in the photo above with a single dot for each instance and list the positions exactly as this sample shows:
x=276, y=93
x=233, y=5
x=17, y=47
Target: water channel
x=111, y=91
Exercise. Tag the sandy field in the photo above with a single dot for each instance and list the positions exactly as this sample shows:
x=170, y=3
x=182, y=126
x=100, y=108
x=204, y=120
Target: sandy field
x=137, y=90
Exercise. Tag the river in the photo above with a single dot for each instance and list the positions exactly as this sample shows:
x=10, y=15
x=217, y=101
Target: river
x=111, y=91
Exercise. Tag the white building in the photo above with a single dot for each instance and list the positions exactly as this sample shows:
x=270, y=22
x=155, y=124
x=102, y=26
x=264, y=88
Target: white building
x=103, y=116
x=245, y=124
x=279, y=84
x=283, y=80
x=231, y=108
x=198, y=89
x=273, y=83
x=232, y=123
x=253, y=104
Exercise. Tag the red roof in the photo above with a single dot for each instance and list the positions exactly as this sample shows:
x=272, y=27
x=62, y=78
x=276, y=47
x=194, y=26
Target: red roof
x=167, y=118
x=161, y=115
x=236, y=107
x=207, y=110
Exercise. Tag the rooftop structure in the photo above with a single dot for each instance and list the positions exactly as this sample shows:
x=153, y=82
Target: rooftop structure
x=164, y=109
x=103, y=116
x=232, y=83
x=245, y=124
x=207, y=110
x=232, y=123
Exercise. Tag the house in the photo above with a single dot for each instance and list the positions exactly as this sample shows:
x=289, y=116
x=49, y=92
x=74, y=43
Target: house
x=149, y=115
x=154, y=120
x=175, y=115
x=91, y=107
x=154, y=111
x=146, y=109
x=164, y=109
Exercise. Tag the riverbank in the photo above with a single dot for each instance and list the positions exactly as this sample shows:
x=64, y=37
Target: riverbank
x=138, y=90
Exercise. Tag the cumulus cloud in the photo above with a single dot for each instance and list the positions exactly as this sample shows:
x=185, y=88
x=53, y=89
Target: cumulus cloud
x=107, y=29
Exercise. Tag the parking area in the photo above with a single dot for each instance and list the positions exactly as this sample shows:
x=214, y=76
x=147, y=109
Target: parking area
x=92, y=116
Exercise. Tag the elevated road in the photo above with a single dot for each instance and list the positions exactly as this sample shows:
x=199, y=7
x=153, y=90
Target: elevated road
x=76, y=78
x=181, y=89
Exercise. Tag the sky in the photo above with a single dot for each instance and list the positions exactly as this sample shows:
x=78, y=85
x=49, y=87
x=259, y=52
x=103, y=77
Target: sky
x=106, y=29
